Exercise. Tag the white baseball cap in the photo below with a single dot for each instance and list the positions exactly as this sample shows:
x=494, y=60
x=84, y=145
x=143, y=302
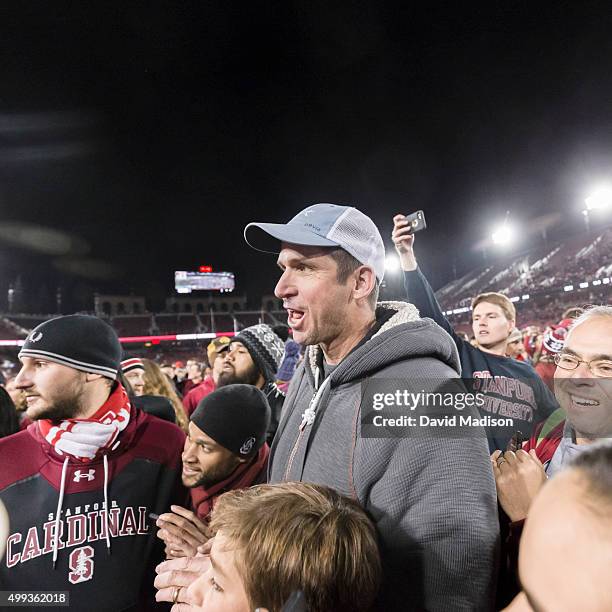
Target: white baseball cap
x=326, y=225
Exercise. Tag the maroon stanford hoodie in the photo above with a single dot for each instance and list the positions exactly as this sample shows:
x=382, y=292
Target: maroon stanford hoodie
x=103, y=569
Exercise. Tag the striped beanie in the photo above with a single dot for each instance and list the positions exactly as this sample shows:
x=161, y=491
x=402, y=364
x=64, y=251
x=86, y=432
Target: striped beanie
x=264, y=346
x=82, y=342
x=554, y=340
x=133, y=363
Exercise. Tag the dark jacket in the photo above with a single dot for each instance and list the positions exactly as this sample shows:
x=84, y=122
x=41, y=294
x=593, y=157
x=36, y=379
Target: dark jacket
x=157, y=405
x=528, y=401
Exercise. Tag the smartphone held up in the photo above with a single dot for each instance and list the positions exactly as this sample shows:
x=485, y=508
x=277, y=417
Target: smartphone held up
x=416, y=221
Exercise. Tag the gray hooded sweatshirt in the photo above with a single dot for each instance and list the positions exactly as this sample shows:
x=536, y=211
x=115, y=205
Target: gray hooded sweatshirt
x=432, y=498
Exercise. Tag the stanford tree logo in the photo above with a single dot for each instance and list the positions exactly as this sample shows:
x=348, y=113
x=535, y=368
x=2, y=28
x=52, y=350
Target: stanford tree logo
x=82, y=565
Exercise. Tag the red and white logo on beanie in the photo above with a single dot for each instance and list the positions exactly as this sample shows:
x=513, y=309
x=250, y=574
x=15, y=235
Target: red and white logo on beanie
x=554, y=340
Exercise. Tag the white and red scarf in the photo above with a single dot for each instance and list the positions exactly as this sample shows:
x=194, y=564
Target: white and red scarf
x=87, y=439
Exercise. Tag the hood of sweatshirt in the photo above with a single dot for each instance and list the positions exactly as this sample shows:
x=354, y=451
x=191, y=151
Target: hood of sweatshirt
x=403, y=335
x=60, y=467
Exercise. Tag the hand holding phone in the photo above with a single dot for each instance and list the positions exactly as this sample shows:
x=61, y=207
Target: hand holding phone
x=404, y=228
x=416, y=221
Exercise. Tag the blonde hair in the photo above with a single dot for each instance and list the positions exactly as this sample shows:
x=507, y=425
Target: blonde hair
x=157, y=383
x=499, y=299
x=297, y=536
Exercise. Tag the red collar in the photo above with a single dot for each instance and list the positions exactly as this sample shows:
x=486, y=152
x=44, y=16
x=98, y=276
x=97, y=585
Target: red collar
x=245, y=475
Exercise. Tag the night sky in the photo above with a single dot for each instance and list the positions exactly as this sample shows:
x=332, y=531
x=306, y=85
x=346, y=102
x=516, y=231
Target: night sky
x=140, y=139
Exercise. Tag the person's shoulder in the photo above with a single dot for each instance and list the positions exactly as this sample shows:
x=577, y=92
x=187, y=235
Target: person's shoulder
x=194, y=391
x=156, y=405
x=154, y=425
x=426, y=366
x=17, y=439
x=526, y=369
x=420, y=345
x=160, y=438
x=193, y=396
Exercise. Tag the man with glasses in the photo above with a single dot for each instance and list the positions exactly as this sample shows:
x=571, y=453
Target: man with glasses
x=583, y=387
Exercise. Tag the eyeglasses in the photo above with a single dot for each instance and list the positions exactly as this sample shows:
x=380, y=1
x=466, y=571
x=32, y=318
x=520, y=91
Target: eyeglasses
x=602, y=368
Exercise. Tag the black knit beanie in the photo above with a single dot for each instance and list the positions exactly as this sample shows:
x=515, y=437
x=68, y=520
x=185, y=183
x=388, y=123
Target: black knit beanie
x=236, y=417
x=81, y=342
x=264, y=346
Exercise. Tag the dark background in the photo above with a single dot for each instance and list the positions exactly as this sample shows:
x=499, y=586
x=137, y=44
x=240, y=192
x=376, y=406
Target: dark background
x=141, y=138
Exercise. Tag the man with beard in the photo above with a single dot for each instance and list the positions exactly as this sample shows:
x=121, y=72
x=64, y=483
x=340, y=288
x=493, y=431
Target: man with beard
x=253, y=358
x=226, y=450
x=79, y=483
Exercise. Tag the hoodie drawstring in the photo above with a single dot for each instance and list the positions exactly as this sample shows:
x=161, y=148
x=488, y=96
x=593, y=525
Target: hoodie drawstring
x=60, y=501
x=308, y=417
x=108, y=541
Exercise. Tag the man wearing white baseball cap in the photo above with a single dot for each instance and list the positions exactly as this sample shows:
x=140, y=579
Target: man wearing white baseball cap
x=432, y=498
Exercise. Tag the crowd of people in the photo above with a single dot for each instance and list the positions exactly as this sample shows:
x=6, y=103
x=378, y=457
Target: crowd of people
x=255, y=475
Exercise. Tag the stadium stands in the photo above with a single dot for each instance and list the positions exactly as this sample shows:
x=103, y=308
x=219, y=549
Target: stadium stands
x=542, y=282
x=9, y=330
x=176, y=323
x=132, y=325
x=26, y=321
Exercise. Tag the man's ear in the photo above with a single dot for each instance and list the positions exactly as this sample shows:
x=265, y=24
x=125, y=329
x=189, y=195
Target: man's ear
x=364, y=282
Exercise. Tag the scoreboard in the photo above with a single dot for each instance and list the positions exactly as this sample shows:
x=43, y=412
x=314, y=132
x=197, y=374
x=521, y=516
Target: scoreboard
x=186, y=282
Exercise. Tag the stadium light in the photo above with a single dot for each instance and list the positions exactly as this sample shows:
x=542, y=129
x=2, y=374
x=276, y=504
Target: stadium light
x=392, y=264
x=600, y=198
x=504, y=233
